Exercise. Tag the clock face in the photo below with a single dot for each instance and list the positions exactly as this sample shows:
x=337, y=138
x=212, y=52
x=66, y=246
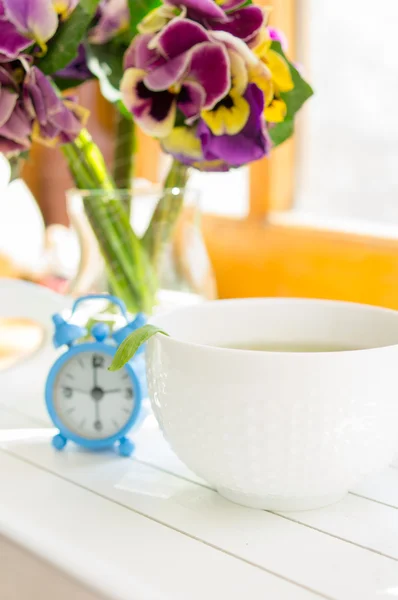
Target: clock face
x=91, y=401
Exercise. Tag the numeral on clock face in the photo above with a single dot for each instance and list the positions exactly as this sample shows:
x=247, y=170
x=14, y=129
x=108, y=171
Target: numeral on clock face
x=98, y=361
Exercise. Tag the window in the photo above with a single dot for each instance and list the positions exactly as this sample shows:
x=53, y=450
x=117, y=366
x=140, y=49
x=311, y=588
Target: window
x=349, y=150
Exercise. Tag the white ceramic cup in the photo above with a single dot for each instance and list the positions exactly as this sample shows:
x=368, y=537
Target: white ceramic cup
x=278, y=430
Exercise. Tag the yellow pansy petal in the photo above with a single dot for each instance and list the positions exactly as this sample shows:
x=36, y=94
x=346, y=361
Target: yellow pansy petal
x=276, y=111
x=261, y=76
x=157, y=19
x=263, y=44
x=80, y=112
x=62, y=9
x=229, y=118
x=280, y=71
x=183, y=140
x=237, y=117
x=36, y=137
x=239, y=74
x=214, y=119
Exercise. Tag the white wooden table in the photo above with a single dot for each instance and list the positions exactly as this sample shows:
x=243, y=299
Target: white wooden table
x=146, y=528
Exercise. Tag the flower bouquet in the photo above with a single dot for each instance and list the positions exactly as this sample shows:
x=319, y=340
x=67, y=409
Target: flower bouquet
x=208, y=78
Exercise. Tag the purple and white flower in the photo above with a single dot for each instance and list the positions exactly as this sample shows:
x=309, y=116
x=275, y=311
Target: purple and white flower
x=180, y=68
x=199, y=147
x=232, y=16
x=11, y=41
x=56, y=120
x=15, y=121
x=250, y=144
x=36, y=20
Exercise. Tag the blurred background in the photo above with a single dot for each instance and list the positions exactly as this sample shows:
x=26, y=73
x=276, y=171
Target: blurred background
x=319, y=218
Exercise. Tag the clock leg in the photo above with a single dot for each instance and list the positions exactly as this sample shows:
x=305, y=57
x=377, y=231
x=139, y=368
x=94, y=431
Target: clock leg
x=125, y=447
x=59, y=441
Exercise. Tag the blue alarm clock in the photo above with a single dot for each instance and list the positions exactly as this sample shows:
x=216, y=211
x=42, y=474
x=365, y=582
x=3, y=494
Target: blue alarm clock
x=90, y=405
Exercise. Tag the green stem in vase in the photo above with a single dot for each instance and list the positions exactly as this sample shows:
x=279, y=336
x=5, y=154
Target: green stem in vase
x=167, y=211
x=130, y=273
x=123, y=166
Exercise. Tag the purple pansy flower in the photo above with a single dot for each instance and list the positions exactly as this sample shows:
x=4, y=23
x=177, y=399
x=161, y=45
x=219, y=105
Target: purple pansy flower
x=181, y=67
x=15, y=121
x=77, y=69
x=36, y=19
x=55, y=119
x=243, y=22
x=200, y=9
x=198, y=147
x=11, y=41
x=112, y=18
x=7, y=78
x=16, y=130
x=252, y=143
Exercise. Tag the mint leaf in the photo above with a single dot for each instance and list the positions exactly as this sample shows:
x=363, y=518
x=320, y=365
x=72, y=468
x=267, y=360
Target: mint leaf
x=63, y=47
x=302, y=90
x=130, y=345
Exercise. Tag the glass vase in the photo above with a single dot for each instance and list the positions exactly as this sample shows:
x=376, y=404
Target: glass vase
x=173, y=249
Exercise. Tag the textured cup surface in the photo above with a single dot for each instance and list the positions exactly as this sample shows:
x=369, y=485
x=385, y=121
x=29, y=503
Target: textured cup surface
x=278, y=430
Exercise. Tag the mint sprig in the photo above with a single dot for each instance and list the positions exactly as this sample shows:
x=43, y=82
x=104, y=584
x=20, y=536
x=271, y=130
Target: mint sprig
x=132, y=343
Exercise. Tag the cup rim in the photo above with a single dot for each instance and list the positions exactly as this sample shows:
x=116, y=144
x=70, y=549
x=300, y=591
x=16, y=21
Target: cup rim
x=171, y=340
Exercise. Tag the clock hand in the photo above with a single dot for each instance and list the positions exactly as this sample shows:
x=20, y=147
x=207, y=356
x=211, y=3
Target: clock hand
x=95, y=376
x=112, y=391
x=79, y=390
x=97, y=422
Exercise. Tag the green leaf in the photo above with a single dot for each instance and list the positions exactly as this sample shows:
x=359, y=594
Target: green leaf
x=63, y=47
x=130, y=345
x=106, y=64
x=123, y=110
x=280, y=132
x=302, y=90
x=138, y=10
